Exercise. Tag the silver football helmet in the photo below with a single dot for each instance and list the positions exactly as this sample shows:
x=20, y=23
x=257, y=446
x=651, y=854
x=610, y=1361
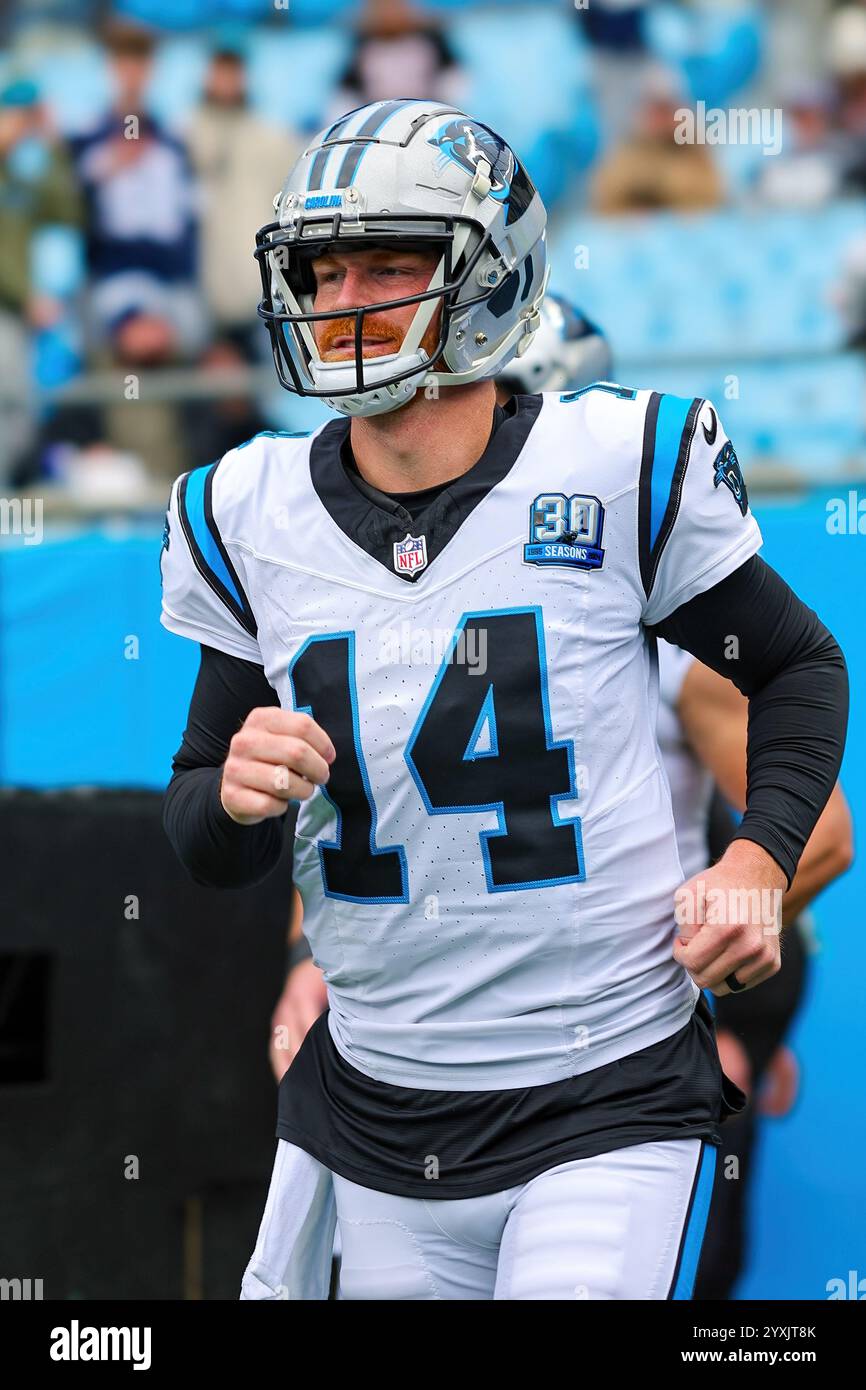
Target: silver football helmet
x=397, y=173
x=567, y=352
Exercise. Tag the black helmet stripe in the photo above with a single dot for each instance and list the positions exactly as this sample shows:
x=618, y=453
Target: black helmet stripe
x=355, y=153
x=317, y=168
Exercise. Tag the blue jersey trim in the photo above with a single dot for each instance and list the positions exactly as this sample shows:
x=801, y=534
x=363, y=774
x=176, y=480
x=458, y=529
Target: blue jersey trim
x=696, y=1224
x=195, y=515
x=211, y=559
x=672, y=416
x=669, y=427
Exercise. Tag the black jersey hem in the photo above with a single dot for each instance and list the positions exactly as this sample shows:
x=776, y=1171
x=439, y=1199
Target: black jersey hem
x=512, y=1175
x=412, y=1142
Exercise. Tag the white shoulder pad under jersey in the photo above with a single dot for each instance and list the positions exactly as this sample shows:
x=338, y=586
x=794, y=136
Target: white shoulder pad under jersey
x=210, y=528
x=694, y=523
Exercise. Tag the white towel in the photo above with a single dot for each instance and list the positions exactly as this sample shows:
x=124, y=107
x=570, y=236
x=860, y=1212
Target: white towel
x=292, y=1258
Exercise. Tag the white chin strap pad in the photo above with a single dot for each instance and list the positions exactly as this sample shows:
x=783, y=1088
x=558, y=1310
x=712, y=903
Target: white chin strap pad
x=341, y=376
x=376, y=402
x=375, y=399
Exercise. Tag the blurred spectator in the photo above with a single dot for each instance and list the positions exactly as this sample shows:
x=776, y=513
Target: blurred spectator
x=398, y=52
x=231, y=417
x=145, y=306
x=849, y=294
x=36, y=188
x=242, y=162
x=808, y=172
x=141, y=232
x=649, y=169
x=847, y=60
x=616, y=32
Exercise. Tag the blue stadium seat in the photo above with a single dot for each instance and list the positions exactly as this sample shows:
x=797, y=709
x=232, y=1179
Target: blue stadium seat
x=711, y=283
x=77, y=88
x=191, y=14
x=731, y=303
x=495, y=55
x=318, y=54
x=717, y=50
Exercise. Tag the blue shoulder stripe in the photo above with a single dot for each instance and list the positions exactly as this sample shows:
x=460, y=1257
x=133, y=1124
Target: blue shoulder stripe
x=210, y=556
x=668, y=430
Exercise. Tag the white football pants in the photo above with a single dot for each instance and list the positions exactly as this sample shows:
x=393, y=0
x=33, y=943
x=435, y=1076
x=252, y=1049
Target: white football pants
x=624, y=1225
x=628, y=1224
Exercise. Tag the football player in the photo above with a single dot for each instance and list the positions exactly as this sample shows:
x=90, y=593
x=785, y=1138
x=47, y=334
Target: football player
x=567, y=352
x=432, y=623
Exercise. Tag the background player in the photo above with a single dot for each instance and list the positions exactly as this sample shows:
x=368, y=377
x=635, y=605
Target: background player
x=702, y=737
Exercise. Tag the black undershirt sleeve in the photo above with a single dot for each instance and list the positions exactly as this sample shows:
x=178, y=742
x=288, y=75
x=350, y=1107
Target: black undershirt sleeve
x=753, y=629
x=212, y=847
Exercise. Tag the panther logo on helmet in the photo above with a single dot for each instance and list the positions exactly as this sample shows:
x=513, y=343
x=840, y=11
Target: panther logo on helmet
x=467, y=142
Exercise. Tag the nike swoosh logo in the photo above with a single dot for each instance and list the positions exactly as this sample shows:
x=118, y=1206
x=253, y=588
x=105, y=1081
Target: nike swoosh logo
x=710, y=435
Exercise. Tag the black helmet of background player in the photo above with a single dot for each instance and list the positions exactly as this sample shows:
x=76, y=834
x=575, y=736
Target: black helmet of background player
x=567, y=352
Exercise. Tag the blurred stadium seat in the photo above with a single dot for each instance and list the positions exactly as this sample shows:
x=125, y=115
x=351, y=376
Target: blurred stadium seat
x=717, y=51
x=725, y=284
x=735, y=305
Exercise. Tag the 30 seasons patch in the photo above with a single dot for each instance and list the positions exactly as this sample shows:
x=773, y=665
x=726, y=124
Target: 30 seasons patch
x=565, y=531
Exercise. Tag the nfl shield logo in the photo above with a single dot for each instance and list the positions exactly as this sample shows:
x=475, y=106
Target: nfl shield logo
x=410, y=555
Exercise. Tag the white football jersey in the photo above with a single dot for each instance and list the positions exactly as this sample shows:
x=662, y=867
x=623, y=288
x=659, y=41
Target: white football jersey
x=690, y=783
x=488, y=875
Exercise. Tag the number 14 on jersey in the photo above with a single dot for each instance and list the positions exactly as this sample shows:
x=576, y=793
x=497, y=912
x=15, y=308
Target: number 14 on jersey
x=481, y=744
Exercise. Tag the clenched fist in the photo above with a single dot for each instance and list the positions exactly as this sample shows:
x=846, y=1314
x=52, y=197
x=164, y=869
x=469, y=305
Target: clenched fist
x=277, y=756
x=729, y=920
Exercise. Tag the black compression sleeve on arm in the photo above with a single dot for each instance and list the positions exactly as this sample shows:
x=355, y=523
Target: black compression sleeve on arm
x=793, y=672
x=214, y=848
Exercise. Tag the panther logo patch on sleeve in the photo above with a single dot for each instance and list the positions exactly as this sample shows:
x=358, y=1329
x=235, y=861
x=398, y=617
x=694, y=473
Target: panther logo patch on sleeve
x=727, y=470
x=166, y=541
